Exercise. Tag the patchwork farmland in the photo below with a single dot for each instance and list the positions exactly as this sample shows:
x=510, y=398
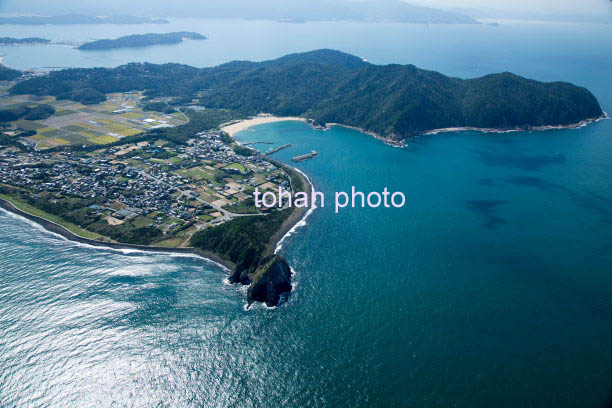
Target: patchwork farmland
x=77, y=124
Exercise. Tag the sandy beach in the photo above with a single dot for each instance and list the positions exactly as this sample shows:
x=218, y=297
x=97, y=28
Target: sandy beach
x=234, y=128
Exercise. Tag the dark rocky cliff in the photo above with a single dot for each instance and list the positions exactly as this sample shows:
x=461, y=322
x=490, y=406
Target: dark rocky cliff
x=270, y=280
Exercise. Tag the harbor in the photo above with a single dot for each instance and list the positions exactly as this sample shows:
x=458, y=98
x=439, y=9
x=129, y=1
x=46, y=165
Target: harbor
x=303, y=157
x=277, y=149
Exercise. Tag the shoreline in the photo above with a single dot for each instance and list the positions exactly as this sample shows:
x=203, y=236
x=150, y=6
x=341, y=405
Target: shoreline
x=304, y=213
x=578, y=125
x=296, y=219
x=57, y=229
x=385, y=140
x=299, y=215
x=286, y=229
x=242, y=125
x=239, y=126
x=233, y=128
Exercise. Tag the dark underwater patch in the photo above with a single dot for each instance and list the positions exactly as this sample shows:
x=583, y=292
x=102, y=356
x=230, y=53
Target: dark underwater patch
x=535, y=182
x=487, y=210
x=486, y=182
x=520, y=161
x=595, y=203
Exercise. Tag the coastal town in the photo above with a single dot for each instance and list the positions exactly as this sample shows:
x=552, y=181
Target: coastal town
x=128, y=170
x=156, y=192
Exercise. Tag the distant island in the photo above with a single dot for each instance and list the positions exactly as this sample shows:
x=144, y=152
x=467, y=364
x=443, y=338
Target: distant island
x=80, y=19
x=142, y=40
x=19, y=41
x=330, y=87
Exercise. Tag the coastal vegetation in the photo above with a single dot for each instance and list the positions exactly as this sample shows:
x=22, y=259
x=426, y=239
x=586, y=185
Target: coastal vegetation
x=394, y=101
x=141, y=40
x=11, y=197
x=248, y=242
x=73, y=211
x=243, y=241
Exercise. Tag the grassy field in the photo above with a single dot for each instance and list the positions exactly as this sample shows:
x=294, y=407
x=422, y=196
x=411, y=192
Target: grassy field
x=141, y=222
x=196, y=173
x=76, y=230
x=236, y=166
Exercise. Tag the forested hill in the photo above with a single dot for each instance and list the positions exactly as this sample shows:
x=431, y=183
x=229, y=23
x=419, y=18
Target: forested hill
x=9, y=74
x=396, y=101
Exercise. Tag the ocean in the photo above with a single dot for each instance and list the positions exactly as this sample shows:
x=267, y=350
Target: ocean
x=490, y=287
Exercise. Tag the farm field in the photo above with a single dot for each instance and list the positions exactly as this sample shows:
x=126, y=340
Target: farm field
x=77, y=124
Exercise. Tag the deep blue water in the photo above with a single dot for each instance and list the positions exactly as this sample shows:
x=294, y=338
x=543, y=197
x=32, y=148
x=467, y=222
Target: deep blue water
x=491, y=287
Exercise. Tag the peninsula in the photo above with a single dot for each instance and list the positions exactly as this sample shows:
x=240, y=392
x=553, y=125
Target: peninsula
x=181, y=189
x=21, y=41
x=142, y=40
x=393, y=101
x=128, y=170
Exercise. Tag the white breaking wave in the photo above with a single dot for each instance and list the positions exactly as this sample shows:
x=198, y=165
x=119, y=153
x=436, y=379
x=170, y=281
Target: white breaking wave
x=302, y=222
x=123, y=251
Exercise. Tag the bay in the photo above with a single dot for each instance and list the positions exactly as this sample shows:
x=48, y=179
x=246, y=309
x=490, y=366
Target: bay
x=491, y=286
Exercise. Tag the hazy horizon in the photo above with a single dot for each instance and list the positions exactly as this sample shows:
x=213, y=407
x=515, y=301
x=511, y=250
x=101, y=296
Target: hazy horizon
x=397, y=10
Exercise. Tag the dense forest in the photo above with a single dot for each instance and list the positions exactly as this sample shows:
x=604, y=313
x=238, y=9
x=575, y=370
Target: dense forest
x=9, y=74
x=395, y=101
x=39, y=112
x=141, y=40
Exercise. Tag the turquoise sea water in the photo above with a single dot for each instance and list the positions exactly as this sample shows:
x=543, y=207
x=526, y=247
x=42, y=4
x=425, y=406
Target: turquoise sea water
x=491, y=287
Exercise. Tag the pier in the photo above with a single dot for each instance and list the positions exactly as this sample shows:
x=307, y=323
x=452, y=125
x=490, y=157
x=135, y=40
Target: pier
x=305, y=156
x=254, y=143
x=276, y=150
